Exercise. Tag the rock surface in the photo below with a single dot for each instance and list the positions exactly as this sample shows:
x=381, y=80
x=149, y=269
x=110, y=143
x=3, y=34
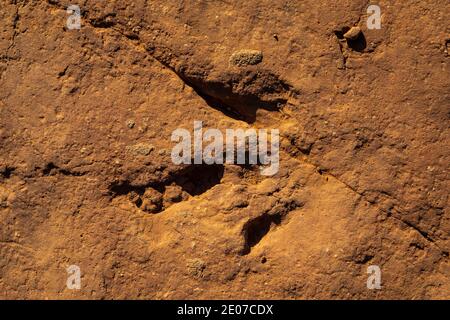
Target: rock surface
x=86, y=176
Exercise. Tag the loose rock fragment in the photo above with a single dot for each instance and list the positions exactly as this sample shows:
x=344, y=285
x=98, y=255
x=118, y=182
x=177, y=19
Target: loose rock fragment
x=152, y=201
x=131, y=124
x=142, y=149
x=173, y=194
x=353, y=33
x=134, y=197
x=196, y=267
x=246, y=57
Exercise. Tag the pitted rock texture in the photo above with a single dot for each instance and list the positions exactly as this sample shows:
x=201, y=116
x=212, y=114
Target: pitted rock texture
x=86, y=176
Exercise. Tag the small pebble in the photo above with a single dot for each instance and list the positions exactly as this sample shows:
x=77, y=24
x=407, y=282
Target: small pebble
x=131, y=124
